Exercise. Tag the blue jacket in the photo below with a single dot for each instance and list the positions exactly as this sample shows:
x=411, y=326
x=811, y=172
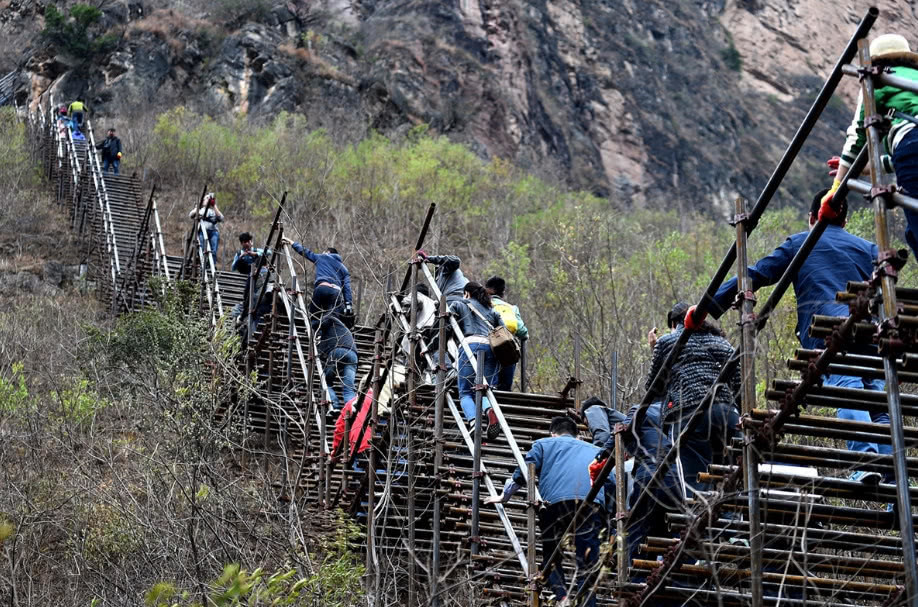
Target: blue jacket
x=562, y=466
x=649, y=448
x=838, y=257
x=329, y=268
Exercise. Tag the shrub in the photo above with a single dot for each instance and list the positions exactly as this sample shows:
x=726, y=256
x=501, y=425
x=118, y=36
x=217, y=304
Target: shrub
x=71, y=36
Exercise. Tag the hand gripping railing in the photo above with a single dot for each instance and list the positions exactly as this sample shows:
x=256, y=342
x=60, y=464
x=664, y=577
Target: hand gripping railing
x=396, y=308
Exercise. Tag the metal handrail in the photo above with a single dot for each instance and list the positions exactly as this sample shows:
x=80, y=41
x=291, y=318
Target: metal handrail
x=159, y=246
x=495, y=406
x=470, y=443
x=206, y=257
x=110, y=245
x=96, y=168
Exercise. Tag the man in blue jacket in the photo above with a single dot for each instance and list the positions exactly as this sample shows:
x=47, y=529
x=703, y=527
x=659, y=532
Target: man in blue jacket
x=561, y=464
x=332, y=287
x=838, y=257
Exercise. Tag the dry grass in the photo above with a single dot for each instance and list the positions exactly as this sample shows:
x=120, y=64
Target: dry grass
x=317, y=65
x=165, y=24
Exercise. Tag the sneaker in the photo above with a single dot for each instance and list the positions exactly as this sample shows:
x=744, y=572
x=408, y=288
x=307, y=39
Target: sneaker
x=493, y=425
x=866, y=477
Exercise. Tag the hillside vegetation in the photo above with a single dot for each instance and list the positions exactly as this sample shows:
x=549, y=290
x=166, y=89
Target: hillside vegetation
x=118, y=487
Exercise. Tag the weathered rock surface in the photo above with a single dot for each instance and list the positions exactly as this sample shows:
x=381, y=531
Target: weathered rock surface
x=681, y=104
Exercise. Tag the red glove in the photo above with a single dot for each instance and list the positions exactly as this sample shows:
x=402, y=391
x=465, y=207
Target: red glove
x=833, y=165
x=421, y=254
x=693, y=321
x=595, y=467
x=825, y=206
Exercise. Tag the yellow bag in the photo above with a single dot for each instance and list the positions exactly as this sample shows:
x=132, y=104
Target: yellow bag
x=507, y=314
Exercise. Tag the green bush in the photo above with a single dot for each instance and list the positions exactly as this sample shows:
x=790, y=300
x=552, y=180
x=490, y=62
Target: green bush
x=70, y=34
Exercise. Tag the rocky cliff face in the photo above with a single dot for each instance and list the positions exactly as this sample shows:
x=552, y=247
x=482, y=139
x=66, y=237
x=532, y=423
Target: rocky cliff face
x=680, y=104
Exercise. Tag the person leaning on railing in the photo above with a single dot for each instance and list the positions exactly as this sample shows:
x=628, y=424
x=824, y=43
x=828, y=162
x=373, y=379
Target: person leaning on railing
x=339, y=355
x=449, y=278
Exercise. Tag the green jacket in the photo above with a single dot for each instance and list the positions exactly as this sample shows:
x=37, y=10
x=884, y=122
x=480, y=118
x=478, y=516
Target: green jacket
x=888, y=97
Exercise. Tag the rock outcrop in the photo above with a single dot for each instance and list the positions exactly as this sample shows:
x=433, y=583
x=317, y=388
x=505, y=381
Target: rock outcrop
x=681, y=104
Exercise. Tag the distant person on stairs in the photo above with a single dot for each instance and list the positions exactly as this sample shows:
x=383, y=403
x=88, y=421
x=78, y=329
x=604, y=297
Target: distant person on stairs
x=332, y=288
x=496, y=286
x=111, y=152
x=77, y=114
x=210, y=216
x=838, y=257
x=339, y=355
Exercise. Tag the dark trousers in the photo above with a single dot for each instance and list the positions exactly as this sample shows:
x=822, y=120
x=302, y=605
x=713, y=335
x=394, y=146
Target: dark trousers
x=325, y=299
x=905, y=161
x=505, y=377
x=554, y=520
x=651, y=520
x=705, y=445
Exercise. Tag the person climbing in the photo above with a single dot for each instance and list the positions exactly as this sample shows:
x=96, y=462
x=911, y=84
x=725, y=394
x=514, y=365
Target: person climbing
x=245, y=256
x=251, y=293
x=475, y=317
x=561, y=463
x=449, y=278
x=497, y=286
x=694, y=372
x=649, y=444
x=111, y=152
x=888, y=51
x=837, y=258
x=77, y=114
x=332, y=288
x=339, y=355
x=600, y=419
x=210, y=216
x=63, y=122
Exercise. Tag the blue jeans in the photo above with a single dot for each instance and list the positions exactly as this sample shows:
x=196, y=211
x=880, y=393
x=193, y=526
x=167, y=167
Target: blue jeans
x=554, y=520
x=213, y=236
x=110, y=162
x=846, y=381
x=342, y=364
x=505, y=377
x=651, y=521
x=905, y=161
x=466, y=378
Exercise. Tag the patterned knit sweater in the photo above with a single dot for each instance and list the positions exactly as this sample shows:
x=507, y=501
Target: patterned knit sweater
x=694, y=372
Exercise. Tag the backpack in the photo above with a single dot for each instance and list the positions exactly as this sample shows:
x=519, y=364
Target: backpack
x=507, y=314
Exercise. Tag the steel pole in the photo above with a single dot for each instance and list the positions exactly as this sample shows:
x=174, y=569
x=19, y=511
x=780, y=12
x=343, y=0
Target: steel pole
x=621, y=509
x=747, y=365
x=531, y=507
x=888, y=323
x=438, y=452
x=476, y=456
x=413, y=402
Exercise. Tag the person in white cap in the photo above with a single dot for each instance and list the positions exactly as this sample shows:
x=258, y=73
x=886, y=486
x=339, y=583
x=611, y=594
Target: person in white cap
x=892, y=51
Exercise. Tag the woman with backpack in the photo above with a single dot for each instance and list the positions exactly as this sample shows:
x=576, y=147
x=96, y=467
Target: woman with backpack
x=476, y=318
